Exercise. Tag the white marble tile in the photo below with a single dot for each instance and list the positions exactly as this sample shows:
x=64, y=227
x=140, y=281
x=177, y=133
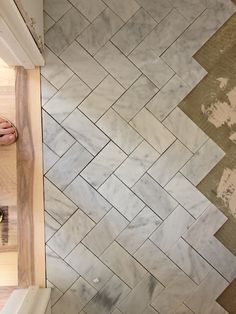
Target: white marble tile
x=89, y=266
x=108, y=297
x=150, y=310
x=48, y=22
x=172, y=228
x=157, y=263
x=135, y=98
x=49, y=158
x=103, y=165
x=117, y=65
x=121, y=197
x=71, y=233
x=170, y=163
x=152, y=130
x=89, y=8
x=137, y=232
x=62, y=34
x=116, y=311
x=100, y=31
x=168, y=97
x=55, y=293
x=56, y=8
x=59, y=273
x=55, y=71
x=119, y=131
x=189, y=261
x=47, y=90
x=57, y=204
x=51, y=226
x=154, y=196
x=183, y=309
x=124, y=8
x=137, y=164
x=87, y=198
x=123, y=264
x=85, y=132
x=102, y=98
x=202, y=162
x=75, y=298
x=67, y=99
x=187, y=195
x=83, y=65
x=105, y=232
x=141, y=296
x=158, y=9
x=69, y=166
x=134, y=31
x=185, y=130
x=189, y=9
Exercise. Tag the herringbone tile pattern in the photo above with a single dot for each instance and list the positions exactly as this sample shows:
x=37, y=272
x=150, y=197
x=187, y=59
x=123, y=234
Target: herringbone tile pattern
x=127, y=230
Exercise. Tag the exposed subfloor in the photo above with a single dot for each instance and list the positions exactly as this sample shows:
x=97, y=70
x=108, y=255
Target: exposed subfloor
x=127, y=229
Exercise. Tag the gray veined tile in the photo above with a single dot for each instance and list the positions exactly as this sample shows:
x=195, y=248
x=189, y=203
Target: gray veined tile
x=168, y=97
x=91, y=9
x=51, y=226
x=100, y=31
x=116, y=311
x=48, y=22
x=137, y=232
x=119, y=131
x=187, y=195
x=141, y=296
x=55, y=137
x=121, y=197
x=67, y=99
x=202, y=162
x=71, y=233
x=154, y=196
x=124, y=8
x=55, y=293
x=117, y=65
x=56, y=8
x=47, y=90
x=103, y=165
x=88, y=199
x=49, y=158
x=150, y=310
x=123, y=264
x=170, y=163
x=105, y=232
x=189, y=9
x=134, y=31
x=135, y=98
x=185, y=129
x=55, y=71
x=108, y=297
x=183, y=309
x=57, y=204
x=62, y=34
x=85, y=132
x=69, y=166
x=158, y=9
x=59, y=273
x=89, y=266
x=102, y=98
x=75, y=298
x=83, y=65
x=132, y=169
x=152, y=130
x=172, y=228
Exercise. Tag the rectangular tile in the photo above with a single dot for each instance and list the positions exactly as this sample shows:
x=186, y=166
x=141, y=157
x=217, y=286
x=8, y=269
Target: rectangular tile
x=105, y=232
x=51, y=226
x=47, y=90
x=152, y=130
x=123, y=264
x=69, y=166
x=134, y=31
x=135, y=98
x=48, y=22
x=132, y=169
x=119, y=131
x=49, y=158
x=150, y=310
x=158, y=9
x=124, y=8
x=117, y=65
x=85, y=132
x=87, y=198
x=189, y=9
x=55, y=293
x=56, y=8
x=183, y=309
x=139, y=230
x=83, y=65
x=187, y=195
x=154, y=196
x=91, y=9
x=103, y=165
x=121, y=197
x=170, y=163
x=100, y=31
x=67, y=99
x=71, y=233
x=89, y=266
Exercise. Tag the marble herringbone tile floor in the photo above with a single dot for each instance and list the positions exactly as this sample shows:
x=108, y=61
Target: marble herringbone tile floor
x=127, y=230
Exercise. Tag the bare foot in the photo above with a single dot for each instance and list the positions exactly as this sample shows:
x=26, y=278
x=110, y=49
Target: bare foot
x=8, y=134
